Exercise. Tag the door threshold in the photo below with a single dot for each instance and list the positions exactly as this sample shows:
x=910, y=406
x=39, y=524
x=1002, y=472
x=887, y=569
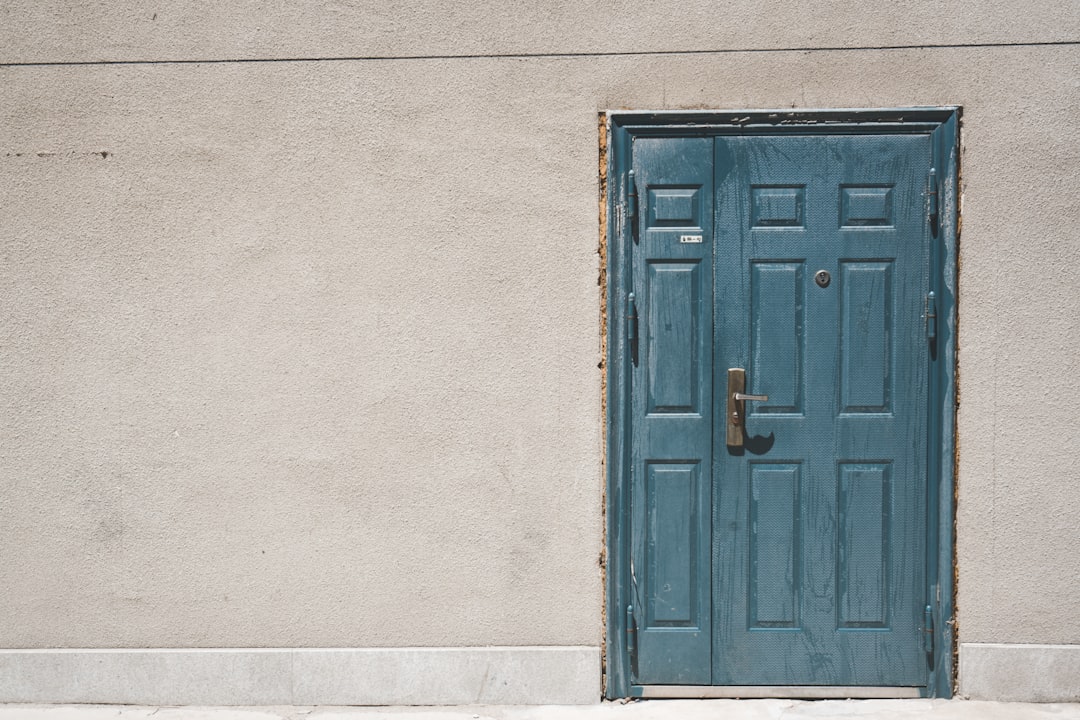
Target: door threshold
x=802, y=692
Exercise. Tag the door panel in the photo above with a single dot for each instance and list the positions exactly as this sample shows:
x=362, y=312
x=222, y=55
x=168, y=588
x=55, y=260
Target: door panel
x=851, y=206
x=865, y=331
x=773, y=545
x=673, y=334
x=777, y=347
x=799, y=559
x=672, y=377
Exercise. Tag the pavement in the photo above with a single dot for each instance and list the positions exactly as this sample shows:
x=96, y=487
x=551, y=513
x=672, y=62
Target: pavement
x=634, y=710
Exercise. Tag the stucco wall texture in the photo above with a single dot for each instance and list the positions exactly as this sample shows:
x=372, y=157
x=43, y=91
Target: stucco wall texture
x=305, y=353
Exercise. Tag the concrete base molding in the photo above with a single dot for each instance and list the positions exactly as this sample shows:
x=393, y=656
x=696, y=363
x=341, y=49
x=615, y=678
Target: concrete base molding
x=1020, y=673
x=283, y=676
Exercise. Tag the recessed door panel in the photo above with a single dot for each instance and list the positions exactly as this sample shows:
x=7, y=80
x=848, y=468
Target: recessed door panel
x=863, y=551
x=673, y=521
x=865, y=336
x=774, y=546
x=674, y=333
x=776, y=333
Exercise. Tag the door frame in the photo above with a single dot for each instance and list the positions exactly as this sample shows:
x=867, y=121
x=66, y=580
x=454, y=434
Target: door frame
x=942, y=125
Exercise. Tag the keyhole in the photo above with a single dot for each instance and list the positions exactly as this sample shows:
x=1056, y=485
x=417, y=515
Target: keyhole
x=822, y=278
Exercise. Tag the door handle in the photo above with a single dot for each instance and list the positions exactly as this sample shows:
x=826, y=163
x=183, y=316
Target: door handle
x=736, y=406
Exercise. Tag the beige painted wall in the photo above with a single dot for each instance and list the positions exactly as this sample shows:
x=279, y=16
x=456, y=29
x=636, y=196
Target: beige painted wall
x=55, y=30
x=305, y=353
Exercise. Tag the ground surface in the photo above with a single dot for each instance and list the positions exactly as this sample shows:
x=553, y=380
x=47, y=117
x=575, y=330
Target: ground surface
x=650, y=710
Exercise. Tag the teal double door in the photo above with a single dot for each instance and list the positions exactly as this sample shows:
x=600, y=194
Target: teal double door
x=780, y=539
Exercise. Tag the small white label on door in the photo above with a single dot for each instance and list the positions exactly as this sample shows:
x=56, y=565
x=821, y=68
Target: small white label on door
x=689, y=238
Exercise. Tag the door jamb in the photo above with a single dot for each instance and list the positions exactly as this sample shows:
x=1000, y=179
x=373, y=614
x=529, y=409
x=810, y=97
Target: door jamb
x=942, y=124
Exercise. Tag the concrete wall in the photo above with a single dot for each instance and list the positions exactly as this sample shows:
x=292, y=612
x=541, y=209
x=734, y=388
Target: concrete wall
x=304, y=354
x=292, y=359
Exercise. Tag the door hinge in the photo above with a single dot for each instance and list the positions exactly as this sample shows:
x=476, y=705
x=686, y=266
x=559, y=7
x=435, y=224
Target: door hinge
x=631, y=632
x=632, y=326
x=928, y=631
x=631, y=203
x=932, y=200
x=931, y=316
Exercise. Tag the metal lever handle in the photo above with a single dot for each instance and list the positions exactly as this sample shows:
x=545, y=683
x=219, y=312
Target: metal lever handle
x=736, y=408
